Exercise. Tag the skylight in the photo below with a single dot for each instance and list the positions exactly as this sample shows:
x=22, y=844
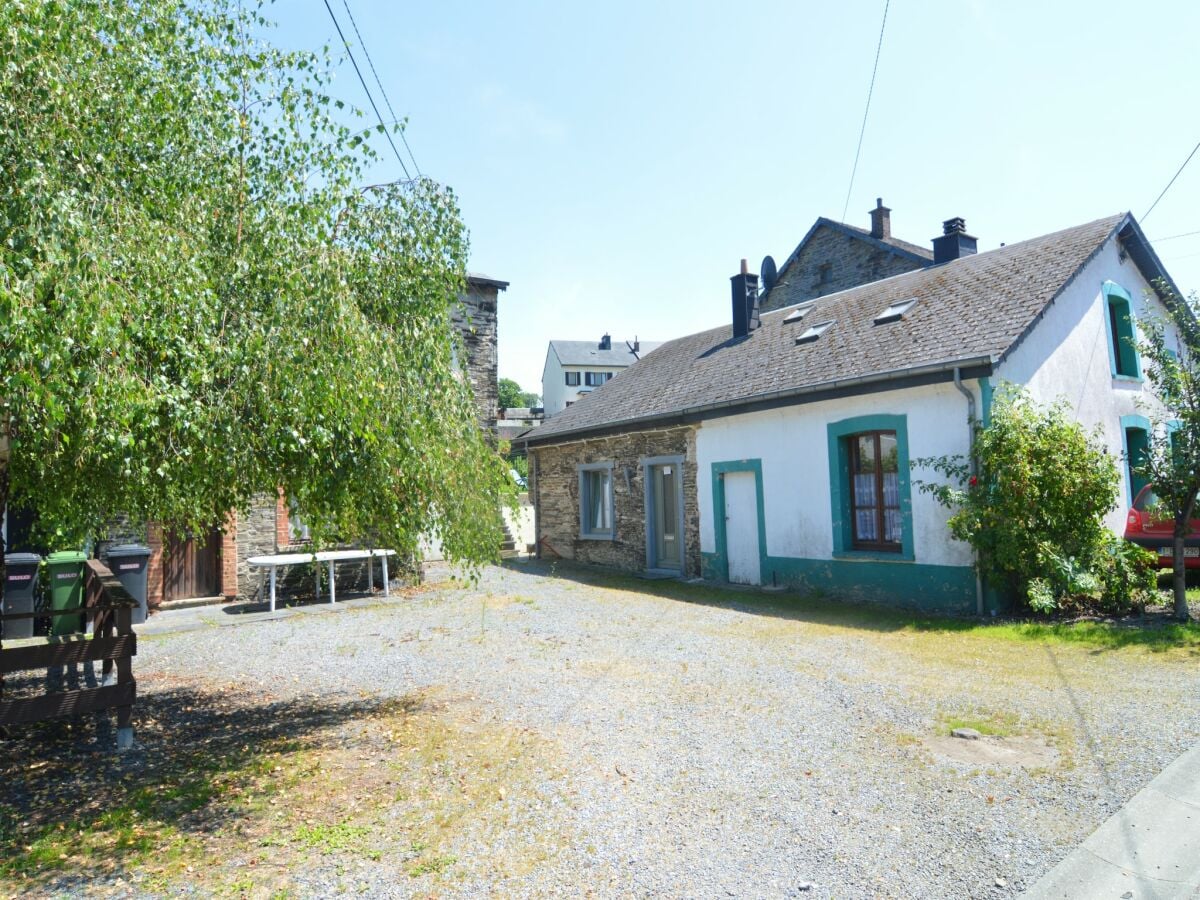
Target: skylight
x=896, y=311
x=812, y=332
x=798, y=313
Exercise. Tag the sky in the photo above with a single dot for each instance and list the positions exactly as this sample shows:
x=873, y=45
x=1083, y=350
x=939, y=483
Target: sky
x=615, y=162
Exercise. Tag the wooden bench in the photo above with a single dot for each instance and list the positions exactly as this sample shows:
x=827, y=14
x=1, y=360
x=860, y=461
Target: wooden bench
x=109, y=607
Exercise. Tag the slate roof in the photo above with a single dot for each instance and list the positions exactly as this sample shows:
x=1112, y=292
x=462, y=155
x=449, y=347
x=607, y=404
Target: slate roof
x=588, y=353
x=973, y=311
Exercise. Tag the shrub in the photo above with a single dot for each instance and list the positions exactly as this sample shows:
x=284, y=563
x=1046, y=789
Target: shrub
x=1034, y=509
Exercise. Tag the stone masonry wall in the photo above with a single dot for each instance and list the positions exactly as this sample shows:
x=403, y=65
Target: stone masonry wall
x=851, y=262
x=555, y=493
x=475, y=320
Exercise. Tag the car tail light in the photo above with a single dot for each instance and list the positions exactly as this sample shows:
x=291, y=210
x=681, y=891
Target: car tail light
x=1135, y=519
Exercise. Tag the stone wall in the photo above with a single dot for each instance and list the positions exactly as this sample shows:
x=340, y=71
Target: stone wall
x=851, y=261
x=475, y=319
x=555, y=491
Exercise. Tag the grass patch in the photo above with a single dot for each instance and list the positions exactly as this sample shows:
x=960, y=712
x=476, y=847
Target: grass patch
x=995, y=724
x=435, y=865
x=1153, y=635
x=331, y=838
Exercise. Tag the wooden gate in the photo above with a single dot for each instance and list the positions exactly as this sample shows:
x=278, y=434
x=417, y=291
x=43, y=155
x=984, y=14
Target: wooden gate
x=191, y=566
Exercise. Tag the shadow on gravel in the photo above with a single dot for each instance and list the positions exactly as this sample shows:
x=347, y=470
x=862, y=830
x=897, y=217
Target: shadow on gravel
x=1153, y=630
x=70, y=806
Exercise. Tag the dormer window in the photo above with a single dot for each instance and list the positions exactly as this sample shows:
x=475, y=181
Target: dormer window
x=814, y=331
x=895, y=312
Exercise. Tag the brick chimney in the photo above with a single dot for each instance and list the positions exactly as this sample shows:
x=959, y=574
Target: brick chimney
x=954, y=243
x=745, y=302
x=881, y=220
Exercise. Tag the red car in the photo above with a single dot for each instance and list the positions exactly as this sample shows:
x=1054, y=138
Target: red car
x=1154, y=532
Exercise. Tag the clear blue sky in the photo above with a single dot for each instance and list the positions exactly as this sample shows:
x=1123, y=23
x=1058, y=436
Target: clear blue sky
x=615, y=161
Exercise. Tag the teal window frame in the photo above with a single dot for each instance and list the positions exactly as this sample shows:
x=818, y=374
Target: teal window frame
x=840, y=490
x=1134, y=424
x=1123, y=360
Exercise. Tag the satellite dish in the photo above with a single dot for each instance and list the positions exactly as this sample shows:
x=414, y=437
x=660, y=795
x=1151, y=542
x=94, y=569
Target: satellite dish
x=769, y=274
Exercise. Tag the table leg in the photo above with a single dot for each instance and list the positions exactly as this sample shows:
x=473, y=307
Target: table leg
x=272, y=589
x=385, y=575
x=370, y=572
x=332, y=598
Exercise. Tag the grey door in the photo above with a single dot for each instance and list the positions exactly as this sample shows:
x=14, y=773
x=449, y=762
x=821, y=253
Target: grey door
x=664, y=487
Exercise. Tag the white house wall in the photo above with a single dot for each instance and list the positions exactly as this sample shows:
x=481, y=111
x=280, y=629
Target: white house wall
x=793, y=446
x=1066, y=356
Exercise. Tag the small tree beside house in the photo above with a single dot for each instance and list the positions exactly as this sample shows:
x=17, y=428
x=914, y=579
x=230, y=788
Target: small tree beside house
x=1171, y=462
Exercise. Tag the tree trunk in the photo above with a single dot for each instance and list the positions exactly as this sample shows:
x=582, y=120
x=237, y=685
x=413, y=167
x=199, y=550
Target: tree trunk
x=1179, y=578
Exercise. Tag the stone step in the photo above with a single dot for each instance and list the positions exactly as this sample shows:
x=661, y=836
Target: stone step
x=189, y=602
x=509, y=554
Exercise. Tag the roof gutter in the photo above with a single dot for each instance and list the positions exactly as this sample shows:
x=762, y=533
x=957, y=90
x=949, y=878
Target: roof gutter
x=731, y=407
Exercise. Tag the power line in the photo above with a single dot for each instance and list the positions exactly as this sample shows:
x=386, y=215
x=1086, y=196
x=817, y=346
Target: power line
x=383, y=93
x=1172, y=181
x=363, y=82
x=1172, y=237
x=870, y=91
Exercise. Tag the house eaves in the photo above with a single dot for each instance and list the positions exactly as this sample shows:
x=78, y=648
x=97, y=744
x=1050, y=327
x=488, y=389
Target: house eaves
x=898, y=379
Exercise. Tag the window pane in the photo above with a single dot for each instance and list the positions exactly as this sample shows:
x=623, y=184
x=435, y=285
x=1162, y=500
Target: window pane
x=596, y=505
x=864, y=491
x=889, y=454
x=891, y=489
x=864, y=525
x=866, y=453
x=891, y=526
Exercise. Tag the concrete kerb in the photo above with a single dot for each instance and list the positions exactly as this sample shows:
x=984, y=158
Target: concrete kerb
x=1148, y=850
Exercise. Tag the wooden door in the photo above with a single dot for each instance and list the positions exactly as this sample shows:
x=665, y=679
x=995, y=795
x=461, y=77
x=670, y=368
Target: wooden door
x=741, y=527
x=192, y=566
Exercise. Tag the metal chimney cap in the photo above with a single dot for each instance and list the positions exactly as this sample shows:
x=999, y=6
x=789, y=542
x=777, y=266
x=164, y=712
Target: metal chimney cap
x=957, y=225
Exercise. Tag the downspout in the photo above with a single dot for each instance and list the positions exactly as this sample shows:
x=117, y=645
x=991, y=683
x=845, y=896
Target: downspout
x=971, y=462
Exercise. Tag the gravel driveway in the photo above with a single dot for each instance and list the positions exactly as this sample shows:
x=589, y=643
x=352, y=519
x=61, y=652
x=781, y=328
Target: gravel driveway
x=698, y=743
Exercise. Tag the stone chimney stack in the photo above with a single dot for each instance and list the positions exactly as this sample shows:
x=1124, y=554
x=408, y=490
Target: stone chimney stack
x=881, y=221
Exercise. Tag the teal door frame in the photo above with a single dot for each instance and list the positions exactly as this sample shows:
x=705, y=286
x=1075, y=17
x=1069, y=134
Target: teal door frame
x=719, y=469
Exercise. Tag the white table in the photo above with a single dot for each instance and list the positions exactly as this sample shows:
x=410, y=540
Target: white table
x=272, y=563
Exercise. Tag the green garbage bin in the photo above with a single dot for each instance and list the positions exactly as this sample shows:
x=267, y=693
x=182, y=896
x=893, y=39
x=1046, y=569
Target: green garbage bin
x=64, y=572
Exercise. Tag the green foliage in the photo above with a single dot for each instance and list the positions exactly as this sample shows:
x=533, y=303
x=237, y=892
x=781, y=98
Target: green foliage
x=198, y=301
x=1034, y=509
x=513, y=396
x=1172, y=460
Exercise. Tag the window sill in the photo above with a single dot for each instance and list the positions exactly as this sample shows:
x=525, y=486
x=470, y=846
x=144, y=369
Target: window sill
x=1128, y=379
x=597, y=537
x=873, y=555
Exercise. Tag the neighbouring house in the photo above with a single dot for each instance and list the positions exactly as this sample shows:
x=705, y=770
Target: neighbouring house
x=515, y=421
x=776, y=449
x=834, y=256
x=574, y=369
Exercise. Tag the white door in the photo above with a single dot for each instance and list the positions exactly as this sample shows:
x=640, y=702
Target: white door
x=741, y=527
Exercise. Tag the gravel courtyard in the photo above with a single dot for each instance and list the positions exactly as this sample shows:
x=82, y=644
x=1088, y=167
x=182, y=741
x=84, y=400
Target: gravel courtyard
x=563, y=733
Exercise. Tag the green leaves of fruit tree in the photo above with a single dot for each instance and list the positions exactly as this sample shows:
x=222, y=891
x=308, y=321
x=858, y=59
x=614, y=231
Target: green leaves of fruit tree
x=200, y=303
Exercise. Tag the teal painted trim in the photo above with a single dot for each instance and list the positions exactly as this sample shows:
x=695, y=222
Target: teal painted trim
x=1115, y=295
x=1135, y=445
x=721, y=557
x=839, y=479
x=947, y=590
x=985, y=399
x=1112, y=289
